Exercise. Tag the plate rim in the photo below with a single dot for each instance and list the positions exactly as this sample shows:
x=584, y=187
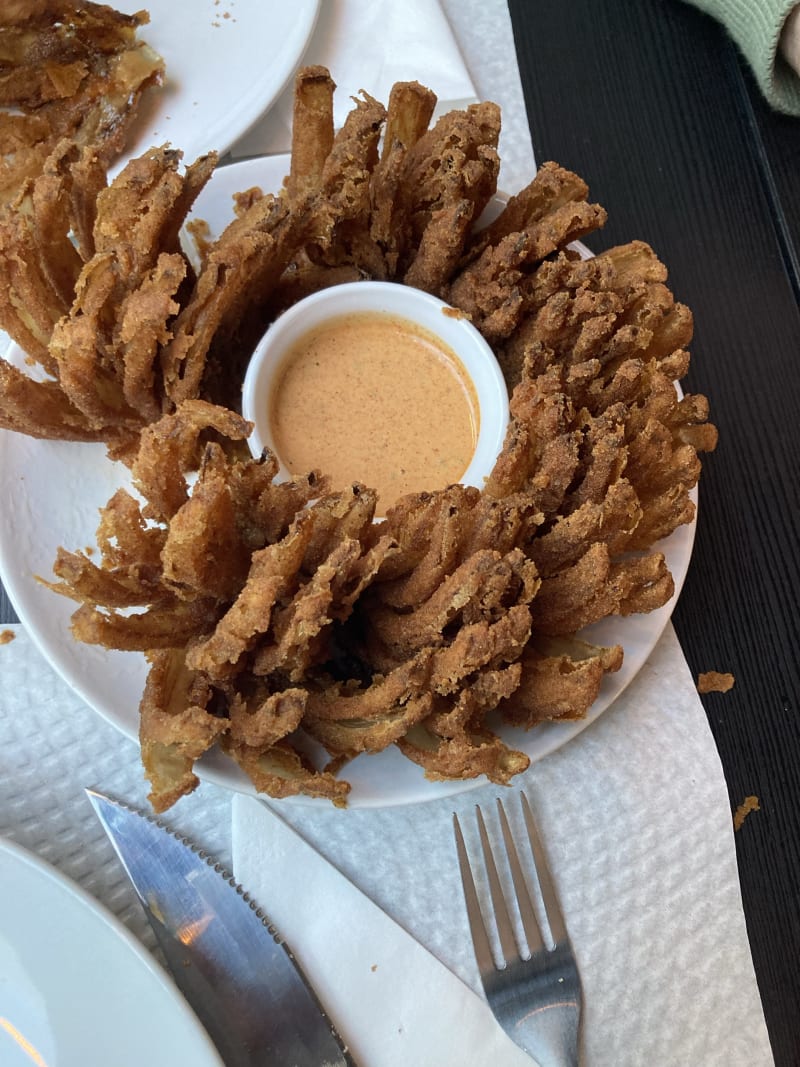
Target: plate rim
x=266, y=87
x=113, y=927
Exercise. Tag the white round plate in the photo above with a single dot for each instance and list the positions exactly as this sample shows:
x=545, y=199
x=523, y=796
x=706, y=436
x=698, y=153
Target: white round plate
x=76, y=987
x=53, y=491
x=227, y=61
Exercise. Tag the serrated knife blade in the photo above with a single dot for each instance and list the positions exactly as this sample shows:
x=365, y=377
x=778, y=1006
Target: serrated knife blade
x=226, y=958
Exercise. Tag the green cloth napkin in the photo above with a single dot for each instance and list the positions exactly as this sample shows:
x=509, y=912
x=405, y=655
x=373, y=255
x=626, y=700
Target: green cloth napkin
x=756, y=27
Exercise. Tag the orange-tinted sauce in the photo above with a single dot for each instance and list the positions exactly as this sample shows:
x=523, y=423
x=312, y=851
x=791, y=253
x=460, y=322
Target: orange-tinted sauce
x=373, y=398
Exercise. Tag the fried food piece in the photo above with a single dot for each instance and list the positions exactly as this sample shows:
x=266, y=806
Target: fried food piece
x=551, y=188
x=452, y=171
x=40, y=264
x=341, y=214
x=51, y=221
x=540, y=453
x=312, y=130
x=203, y=553
x=302, y=631
x=40, y=409
x=281, y=771
x=119, y=587
x=69, y=70
x=491, y=287
x=409, y=112
x=595, y=587
x=273, y=574
x=97, y=332
x=452, y=742
x=605, y=312
x=429, y=546
x=175, y=728
x=143, y=329
x=608, y=523
x=171, y=447
x=259, y=719
x=481, y=588
x=560, y=679
x=349, y=734
x=126, y=540
x=301, y=280
x=165, y=625
x=469, y=755
x=349, y=721
x=30, y=306
x=222, y=315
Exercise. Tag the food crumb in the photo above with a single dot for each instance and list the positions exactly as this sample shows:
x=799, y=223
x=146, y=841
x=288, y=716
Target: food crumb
x=374, y=967
x=748, y=804
x=714, y=682
x=201, y=232
x=6, y=637
x=455, y=313
x=244, y=200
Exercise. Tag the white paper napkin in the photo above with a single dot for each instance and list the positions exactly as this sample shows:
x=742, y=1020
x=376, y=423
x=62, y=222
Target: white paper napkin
x=636, y=820
x=392, y=1000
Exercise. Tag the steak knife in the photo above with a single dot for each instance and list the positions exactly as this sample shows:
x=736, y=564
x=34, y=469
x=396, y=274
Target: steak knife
x=229, y=962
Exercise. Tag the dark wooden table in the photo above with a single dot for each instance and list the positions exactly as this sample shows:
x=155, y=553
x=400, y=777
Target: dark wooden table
x=652, y=105
x=650, y=102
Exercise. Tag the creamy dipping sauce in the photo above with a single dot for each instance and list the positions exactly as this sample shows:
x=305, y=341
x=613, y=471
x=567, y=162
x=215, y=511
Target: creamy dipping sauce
x=374, y=398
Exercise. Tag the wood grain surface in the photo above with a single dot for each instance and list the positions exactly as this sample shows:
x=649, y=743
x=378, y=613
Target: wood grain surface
x=651, y=104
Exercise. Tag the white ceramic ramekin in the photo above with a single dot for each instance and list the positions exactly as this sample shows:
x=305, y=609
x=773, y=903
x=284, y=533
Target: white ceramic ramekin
x=403, y=301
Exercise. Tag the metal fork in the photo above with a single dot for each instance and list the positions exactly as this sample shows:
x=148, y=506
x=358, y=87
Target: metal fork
x=536, y=997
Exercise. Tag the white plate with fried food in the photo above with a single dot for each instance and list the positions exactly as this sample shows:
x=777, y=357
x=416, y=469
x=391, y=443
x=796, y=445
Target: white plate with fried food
x=58, y=951
x=289, y=634
x=57, y=489
x=226, y=62
x=197, y=75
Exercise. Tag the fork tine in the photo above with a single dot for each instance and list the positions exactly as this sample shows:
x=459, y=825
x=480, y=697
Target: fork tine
x=552, y=907
x=480, y=937
x=530, y=924
x=505, y=930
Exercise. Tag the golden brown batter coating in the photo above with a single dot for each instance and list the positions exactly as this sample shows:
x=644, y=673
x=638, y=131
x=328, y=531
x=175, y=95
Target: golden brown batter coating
x=274, y=614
